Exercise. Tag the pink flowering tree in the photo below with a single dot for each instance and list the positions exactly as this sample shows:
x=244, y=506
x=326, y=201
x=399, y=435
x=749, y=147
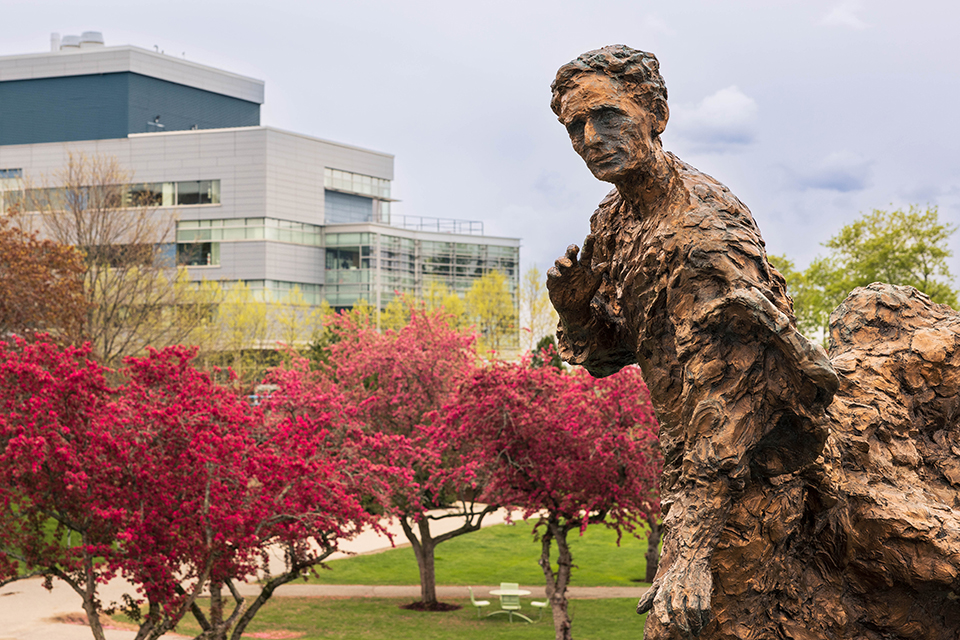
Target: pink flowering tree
x=168, y=479
x=55, y=467
x=570, y=449
x=399, y=381
x=246, y=480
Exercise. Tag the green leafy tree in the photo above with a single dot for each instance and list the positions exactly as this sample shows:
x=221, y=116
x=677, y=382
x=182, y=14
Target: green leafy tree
x=897, y=247
x=538, y=318
x=437, y=295
x=905, y=247
x=296, y=322
x=491, y=308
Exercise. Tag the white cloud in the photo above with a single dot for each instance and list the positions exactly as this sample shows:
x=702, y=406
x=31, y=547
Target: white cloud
x=845, y=15
x=722, y=122
x=841, y=171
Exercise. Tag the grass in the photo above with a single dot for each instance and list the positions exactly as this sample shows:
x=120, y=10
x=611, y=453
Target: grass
x=497, y=554
x=485, y=557
x=377, y=618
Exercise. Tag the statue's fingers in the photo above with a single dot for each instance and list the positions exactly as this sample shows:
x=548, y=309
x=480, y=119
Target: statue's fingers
x=704, y=613
x=563, y=263
x=679, y=612
x=572, y=252
x=695, y=615
x=663, y=607
x=646, y=601
x=552, y=273
x=586, y=257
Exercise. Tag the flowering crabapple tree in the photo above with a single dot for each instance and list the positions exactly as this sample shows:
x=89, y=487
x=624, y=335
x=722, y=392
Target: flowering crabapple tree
x=571, y=449
x=58, y=470
x=168, y=479
x=261, y=477
x=625, y=401
x=400, y=381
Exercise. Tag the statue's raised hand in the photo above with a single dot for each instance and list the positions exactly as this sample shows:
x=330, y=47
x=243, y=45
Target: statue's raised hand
x=572, y=282
x=681, y=597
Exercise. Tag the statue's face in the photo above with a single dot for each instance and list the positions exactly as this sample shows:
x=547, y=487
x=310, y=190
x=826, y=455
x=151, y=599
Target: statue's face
x=610, y=131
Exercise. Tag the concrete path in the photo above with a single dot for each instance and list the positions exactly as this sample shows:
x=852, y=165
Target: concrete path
x=30, y=612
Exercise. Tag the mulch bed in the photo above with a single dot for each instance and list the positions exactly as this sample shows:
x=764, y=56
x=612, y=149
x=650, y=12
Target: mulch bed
x=431, y=606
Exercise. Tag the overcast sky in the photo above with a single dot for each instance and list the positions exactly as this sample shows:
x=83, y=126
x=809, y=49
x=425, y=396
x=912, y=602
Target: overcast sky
x=810, y=111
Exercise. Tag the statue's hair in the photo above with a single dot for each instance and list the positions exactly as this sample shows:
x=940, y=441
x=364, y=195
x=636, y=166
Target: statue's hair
x=637, y=70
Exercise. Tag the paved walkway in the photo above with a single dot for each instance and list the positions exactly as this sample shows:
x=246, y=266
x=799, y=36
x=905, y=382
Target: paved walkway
x=29, y=612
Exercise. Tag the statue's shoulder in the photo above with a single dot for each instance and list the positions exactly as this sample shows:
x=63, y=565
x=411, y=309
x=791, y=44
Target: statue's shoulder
x=712, y=202
x=608, y=208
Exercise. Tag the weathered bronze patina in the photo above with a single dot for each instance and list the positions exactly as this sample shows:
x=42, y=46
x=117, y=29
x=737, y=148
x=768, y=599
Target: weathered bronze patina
x=804, y=496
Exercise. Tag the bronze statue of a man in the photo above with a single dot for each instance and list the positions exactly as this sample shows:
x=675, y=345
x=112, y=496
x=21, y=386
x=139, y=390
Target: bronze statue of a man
x=674, y=277
x=799, y=504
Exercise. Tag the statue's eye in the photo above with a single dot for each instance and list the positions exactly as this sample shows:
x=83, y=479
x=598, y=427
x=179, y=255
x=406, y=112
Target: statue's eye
x=608, y=118
x=575, y=128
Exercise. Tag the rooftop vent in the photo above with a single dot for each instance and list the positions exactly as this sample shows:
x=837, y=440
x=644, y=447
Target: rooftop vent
x=70, y=43
x=91, y=39
x=88, y=40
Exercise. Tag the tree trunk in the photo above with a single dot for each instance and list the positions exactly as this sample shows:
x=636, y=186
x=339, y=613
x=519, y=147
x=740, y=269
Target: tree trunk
x=216, y=612
x=90, y=592
x=93, y=618
x=265, y=594
x=653, y=548
x=557, y=581
x=423, y=549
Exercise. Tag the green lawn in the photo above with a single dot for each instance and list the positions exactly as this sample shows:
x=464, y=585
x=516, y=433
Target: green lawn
x=502, y=553
x=378, y=618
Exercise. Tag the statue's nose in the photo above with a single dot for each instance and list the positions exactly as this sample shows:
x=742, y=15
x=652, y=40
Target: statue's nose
x=590, y=135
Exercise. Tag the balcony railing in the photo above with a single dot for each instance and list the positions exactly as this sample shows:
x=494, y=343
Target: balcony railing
x=439, y=225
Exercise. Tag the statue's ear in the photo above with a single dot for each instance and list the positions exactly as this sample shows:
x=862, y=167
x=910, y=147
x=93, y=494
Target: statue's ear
x=662, y=113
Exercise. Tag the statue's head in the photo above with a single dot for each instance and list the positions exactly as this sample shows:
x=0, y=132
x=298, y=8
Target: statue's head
x=613, y=102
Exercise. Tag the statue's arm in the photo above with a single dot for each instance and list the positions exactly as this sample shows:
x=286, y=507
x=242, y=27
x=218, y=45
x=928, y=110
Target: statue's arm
x=721, y=432
x=750, y=307
x=590, y=332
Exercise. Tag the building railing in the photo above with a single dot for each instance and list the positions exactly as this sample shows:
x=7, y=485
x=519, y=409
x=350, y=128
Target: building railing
x=439, y=225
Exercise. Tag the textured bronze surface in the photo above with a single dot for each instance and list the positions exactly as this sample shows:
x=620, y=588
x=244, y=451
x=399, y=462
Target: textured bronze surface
x=799, y=503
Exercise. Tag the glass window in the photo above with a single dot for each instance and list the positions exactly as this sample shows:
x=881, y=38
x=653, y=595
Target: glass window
x=356, y=183
x=198, y=254
x=188, y=192
x=168, y=193
x=343, y=258
x=342, y=208
x=193, y=235
x=209, y=192
x=167, y=254
x=148, y=194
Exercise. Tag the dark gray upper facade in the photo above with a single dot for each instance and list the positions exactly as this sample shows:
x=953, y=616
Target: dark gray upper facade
x=105, y=93
x=112, y=105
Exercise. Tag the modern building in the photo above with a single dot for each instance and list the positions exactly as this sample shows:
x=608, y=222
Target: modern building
x=272, y=208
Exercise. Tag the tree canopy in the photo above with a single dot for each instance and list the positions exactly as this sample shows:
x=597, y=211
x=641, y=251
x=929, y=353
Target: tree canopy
x=904, y=247
x=41, y=286
x=572, y=449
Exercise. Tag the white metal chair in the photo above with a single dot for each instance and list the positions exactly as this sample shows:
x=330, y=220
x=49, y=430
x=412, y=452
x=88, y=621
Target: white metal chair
x=479, y=604
x=540, y=606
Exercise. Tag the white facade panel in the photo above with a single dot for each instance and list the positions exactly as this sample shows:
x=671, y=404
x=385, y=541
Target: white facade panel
x=135, y=60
